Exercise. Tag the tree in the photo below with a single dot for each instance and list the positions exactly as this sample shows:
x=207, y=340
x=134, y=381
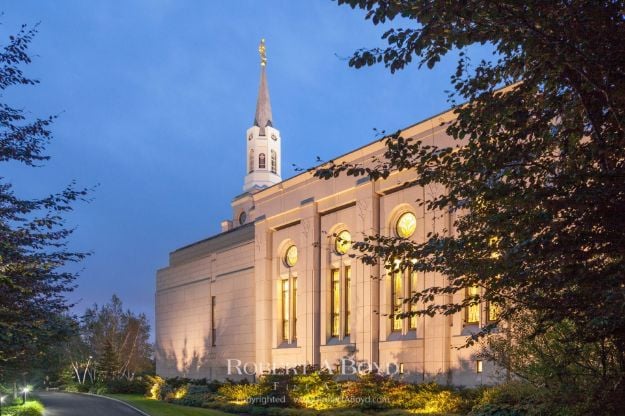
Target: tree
x=117, y=340
x=536, y=180
x=574, y=372
x=33, y=236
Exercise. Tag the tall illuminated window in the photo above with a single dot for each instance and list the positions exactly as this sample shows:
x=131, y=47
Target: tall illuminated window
x=493, y=311
x=414, y=279
x=274, y=162
x=294, y=308
x=286, y=313
x=261, y=161
x=335, y=302
x=472, y=311
x=348, y=298
x=288, y=295
x=251, y=162
x=397, y=289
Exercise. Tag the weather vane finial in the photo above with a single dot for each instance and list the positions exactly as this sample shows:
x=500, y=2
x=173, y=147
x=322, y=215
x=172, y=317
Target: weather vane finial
x=261, y=51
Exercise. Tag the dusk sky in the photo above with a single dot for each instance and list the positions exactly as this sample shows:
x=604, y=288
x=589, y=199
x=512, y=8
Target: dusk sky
x=154, y=98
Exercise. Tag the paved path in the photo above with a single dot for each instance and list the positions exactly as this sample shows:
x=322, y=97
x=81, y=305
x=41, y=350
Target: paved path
x=68, y=404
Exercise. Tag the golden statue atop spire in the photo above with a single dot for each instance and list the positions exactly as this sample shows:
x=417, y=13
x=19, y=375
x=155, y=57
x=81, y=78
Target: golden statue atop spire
x=261, y=51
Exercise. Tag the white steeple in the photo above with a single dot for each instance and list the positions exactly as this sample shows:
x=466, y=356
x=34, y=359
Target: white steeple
x=263, y=140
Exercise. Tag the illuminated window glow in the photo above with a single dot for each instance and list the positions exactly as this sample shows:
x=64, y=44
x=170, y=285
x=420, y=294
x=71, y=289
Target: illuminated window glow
x=343, y=242
x=397, y=299
x=348, y=300
x=493, y=311
x=473, y=311
x=286, y=321
x=414, y=279
x=290, y=258
x=335, y=303
x=406, y=225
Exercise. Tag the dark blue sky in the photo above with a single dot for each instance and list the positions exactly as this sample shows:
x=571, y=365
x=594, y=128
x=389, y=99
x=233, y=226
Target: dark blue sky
x=154, y=98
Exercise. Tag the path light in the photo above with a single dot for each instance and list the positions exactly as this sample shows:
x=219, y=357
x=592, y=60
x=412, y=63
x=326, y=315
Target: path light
x=25, y=391
x=1, y=403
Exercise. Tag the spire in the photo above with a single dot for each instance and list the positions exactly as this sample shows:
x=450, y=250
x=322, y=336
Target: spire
x=263, y=116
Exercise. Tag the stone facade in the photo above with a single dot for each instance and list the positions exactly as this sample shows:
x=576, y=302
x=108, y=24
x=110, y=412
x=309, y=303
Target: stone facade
x=225, y=298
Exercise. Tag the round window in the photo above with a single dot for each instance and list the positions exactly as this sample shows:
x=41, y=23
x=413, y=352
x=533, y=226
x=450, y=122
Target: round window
x=406, y=225
x=343, y=242
x=242, y=218
x=290, y=258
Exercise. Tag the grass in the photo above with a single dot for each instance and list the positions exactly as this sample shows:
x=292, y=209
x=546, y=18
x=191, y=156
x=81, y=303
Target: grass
x=158, y=408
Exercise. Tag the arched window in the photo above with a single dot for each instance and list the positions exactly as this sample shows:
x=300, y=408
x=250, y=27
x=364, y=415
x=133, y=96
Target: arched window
x=250, y=169
x=261, y=161
x=274, y=162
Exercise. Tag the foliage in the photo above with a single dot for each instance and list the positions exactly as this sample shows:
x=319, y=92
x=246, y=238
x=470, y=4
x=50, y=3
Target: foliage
x=368, y=391
x=30, y=408
x=118, y=340
x=534, y=177
x=242, y=392
x=315, y=390
x=33, y=235
x=576, y=375
x=155, y=387
x=515, y=399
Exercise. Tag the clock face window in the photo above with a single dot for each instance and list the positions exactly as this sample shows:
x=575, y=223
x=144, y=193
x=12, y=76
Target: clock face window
x=290, y=258
x=406, y=225
x=242, y=218
x=343, y=242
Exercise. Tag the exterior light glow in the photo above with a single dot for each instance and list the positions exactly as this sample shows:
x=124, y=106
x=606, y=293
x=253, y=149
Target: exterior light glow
x=479, y=366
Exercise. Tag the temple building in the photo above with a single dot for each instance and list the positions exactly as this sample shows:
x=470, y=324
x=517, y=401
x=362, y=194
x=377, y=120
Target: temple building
x=277, y=287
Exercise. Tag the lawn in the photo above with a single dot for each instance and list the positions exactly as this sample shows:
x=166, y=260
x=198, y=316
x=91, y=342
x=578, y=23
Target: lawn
x=158, y=408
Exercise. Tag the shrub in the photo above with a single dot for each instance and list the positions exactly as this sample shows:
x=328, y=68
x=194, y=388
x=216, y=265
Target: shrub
x=242, y=392
x=510, y=399
x=368, y=391
x=31, y=408
x=154, y=386
x=196, y=395
x=77, y=388
x=137, y=385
